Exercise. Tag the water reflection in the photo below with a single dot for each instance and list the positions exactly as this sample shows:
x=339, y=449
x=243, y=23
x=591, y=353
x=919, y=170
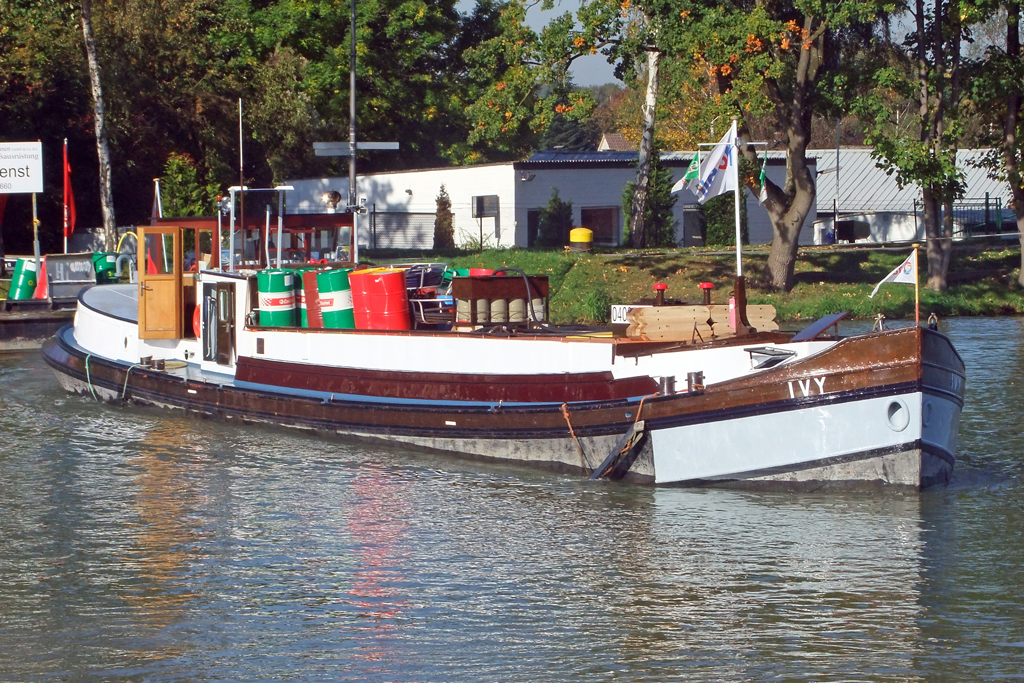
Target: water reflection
x=164, y=524
x=777, y=582
x=141, y=545
x=377, y=511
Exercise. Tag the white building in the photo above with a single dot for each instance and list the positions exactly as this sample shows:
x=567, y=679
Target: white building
x=499, y=204
x=874, y=208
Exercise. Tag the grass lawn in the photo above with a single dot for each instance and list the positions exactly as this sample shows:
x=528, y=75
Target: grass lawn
x=982, y=280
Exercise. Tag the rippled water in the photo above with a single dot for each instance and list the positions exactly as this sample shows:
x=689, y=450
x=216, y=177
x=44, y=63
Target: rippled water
x=138, y=545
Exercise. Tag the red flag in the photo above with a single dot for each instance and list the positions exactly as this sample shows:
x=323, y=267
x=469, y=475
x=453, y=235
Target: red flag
x=69, y=196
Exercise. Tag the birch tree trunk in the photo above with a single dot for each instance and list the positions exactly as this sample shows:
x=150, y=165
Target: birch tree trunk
x=102, y=148
x=637, y=228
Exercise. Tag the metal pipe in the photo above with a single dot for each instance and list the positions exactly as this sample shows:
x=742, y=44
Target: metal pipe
x=280, y=224
x=352, y=192
x=231, y=241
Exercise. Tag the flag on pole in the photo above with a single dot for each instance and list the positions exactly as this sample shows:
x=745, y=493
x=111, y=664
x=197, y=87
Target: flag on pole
x=692, y=174
x=905, y=272
x=763, y=194
x=69, y=196
x=718, y=173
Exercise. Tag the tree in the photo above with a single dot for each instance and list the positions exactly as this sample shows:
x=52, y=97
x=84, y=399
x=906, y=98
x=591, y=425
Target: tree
x=181, y=192
x=923, y=151
x=508, y=110
x=659, y=223
x=998, y=93
x=783, y=62
x=555, y=222
x=102, y=147
x=627, y=33
x=444, y=222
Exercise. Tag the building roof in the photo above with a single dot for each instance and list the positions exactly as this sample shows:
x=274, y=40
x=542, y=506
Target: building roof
x=615, y=142
x=863, y=186
x=561, y=158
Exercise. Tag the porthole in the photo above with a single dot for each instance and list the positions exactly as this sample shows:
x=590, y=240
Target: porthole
x=897, y=415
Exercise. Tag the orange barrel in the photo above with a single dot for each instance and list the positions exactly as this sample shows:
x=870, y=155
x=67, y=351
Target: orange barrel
x=336, y=298
x=380, y=299
x=314, y=315
x=42, y=286
x=357, y=280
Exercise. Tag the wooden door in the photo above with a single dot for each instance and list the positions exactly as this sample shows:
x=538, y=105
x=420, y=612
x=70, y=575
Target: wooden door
x=160, y=269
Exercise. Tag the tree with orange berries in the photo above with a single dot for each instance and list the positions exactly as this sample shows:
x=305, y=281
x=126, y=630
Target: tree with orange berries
x=781, y=61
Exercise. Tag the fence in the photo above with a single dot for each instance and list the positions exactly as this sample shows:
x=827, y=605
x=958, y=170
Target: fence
x=973, y=217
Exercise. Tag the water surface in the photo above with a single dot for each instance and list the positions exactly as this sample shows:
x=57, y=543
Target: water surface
x=141, y=545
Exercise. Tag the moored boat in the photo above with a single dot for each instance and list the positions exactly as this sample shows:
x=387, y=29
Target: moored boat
x=764, y=408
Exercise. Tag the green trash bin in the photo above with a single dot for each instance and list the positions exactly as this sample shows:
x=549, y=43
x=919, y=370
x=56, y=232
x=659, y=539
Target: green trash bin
x=105, y=265
x=23, y=282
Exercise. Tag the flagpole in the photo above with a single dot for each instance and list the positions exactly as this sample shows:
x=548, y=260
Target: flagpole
x=65, y=196
x=917, y=291
x=736, y=171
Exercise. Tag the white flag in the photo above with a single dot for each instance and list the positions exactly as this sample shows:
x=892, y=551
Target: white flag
x=718, y=173
x=905, y=272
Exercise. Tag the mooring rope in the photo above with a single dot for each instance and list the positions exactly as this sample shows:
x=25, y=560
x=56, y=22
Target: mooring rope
x=124, y=391
x=88, y=377
x=584, y=460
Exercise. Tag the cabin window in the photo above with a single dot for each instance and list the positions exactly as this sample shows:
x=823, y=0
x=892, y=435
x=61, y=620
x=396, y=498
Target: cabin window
x=159, y=253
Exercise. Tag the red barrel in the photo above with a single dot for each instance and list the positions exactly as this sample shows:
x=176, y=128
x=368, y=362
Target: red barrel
x=477, y=272
x=380, y=300
x=313, y=314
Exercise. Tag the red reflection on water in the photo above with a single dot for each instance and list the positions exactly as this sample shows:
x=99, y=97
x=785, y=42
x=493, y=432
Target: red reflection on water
x=377, y=528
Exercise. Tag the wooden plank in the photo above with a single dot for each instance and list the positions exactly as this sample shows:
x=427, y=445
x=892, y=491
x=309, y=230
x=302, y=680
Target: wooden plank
x=693, y=323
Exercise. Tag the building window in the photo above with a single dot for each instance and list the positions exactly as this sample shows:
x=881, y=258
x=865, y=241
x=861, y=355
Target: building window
x=603, y=222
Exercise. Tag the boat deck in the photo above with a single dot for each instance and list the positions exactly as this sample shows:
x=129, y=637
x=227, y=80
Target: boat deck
x=119, y=301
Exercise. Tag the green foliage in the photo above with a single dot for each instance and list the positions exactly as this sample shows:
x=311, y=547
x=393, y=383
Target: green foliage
x=720, y=221
x=555, y=222
x=181, y=192
x=173, y=72
x=444, y=223
x=596, y=306
x=659, y=221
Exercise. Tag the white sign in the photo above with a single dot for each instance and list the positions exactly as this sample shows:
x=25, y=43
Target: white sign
x=21, y=167
x=619, y=312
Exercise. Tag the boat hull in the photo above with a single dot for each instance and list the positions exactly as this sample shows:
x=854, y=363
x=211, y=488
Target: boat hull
x=877, y=410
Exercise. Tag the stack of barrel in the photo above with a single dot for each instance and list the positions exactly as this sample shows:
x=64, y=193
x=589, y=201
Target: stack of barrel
x=334, y=298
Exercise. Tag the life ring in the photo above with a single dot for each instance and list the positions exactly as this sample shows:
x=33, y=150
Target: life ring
x=197, y=321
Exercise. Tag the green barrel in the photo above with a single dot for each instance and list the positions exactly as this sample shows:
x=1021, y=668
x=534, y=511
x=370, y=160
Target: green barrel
x=277, y=297
x=336, y=299
x=104, y=264
x=23, y=282
x=300, y=295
